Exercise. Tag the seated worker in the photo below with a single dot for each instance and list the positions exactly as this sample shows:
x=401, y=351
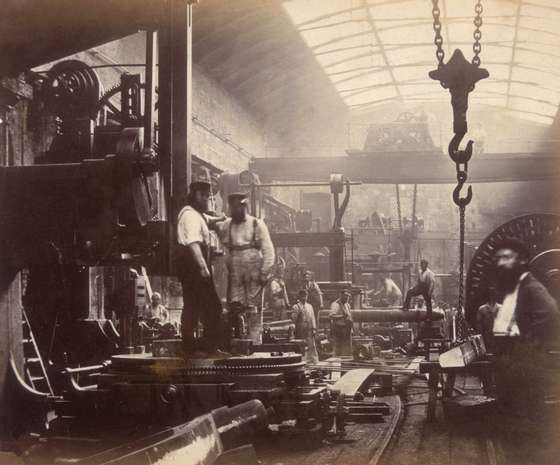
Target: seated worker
x=155, y=311
x=388, y=294
x=341, y=324
x=306, y=327
x=526, y=327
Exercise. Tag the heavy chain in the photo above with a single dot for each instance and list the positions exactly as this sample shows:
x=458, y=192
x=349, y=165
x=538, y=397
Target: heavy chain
x=438, y=39
x=399, y=207
x=477, y=34
x=461, y=256
x=414, y=209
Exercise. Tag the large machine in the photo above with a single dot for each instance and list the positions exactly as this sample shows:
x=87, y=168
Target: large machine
x=81, y=223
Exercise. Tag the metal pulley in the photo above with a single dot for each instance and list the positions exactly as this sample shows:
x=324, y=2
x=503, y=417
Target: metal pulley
x=336, y=182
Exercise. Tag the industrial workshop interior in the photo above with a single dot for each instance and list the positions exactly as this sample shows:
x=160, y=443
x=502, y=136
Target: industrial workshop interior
x=266, y=232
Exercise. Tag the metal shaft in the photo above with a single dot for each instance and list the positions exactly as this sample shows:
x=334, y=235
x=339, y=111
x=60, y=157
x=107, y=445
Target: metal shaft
x=386, y=315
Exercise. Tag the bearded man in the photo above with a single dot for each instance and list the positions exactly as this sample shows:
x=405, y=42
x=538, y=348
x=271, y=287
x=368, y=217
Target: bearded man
x=527, y=325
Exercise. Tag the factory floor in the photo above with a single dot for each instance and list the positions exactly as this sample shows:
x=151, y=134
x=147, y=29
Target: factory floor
x=458, y=436
x=362, y=444
x=468, y=436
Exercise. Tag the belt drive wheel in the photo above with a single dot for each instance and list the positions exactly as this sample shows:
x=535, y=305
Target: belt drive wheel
x=541, y=234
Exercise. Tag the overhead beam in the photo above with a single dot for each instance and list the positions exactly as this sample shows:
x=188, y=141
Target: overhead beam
x=409, y=168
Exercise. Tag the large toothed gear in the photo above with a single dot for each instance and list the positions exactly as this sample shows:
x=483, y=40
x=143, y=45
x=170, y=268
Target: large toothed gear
x=541, y=234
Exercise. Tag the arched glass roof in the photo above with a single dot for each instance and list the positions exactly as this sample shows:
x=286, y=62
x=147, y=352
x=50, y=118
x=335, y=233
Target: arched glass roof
x=380, y=51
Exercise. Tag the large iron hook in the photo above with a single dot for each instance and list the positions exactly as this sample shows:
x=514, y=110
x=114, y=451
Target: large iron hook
x=461, y=202
x=460, y=156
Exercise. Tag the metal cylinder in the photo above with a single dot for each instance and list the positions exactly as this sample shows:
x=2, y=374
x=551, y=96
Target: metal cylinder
x=237, y=423
x=386, y=316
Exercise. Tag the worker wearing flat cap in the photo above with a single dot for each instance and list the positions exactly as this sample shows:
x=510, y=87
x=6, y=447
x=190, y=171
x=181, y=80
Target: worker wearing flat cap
x=250, y=255
x=200, y=300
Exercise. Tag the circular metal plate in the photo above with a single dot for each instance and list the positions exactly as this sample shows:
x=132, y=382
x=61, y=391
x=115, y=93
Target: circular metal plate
x=541, y=234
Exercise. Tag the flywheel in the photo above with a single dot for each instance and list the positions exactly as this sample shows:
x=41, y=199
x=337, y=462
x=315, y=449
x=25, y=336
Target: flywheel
x=541, y=234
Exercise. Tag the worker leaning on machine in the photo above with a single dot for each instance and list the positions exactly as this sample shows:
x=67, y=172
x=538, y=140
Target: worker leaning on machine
x=250, y=252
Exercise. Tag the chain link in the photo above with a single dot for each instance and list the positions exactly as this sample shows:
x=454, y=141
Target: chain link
x=438, y=39
x=477, y=34
x=399, y=207
x=461, y=256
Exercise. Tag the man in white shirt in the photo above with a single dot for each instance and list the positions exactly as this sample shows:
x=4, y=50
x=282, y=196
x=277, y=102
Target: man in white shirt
x=528, y=310
x=526, y=325
x=389, y=292
x=341, y=324
x=250, y=256
x=424, y=287
x=200, y=300
x=306, y=327
x=155, y=311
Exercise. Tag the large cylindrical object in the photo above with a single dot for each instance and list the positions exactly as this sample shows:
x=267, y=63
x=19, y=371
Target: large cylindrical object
x=386, y=315
x=242, y=421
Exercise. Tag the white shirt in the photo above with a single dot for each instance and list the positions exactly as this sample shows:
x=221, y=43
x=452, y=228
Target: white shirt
x=428, y=278
x=191, y=227
x=159, y=312
x=308, y=316
x=338, y=308
x=505, y=323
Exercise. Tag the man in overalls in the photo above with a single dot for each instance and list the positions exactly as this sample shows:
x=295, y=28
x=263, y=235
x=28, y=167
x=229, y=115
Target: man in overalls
x=250, y=253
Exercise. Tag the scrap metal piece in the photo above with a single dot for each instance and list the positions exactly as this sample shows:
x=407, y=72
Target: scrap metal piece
x=354, y=381
x=464, y=354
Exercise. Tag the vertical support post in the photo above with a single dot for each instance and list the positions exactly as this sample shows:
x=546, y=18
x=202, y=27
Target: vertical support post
x=175, y=111
x=10, y=344
x=352, y=252
x=253, y=197
x=181, y=46
x=150, y=89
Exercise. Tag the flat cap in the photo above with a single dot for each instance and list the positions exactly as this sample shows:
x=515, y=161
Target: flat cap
x=200, y=186
x=241, y=197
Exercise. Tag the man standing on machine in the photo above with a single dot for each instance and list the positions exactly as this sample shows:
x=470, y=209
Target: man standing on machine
x=424, y=287
x=200, y=300
x=250, y=253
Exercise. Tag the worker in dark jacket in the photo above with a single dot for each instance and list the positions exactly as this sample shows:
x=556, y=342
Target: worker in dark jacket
x=528, y=310
x=526, y=326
